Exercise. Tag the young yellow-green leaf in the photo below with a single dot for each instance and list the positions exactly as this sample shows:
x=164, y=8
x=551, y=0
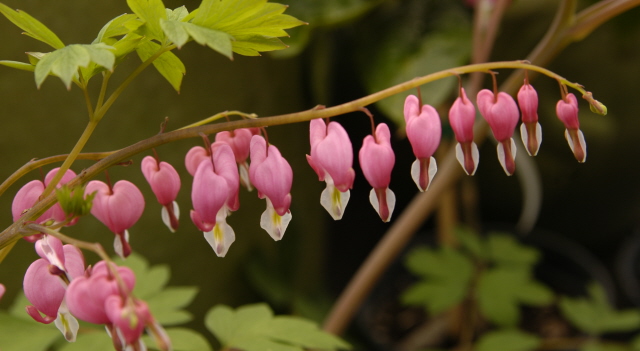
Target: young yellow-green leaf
x=116, y=27
x=254, y=328
x=65, y=62
x=18, y=65
x=168, y=64
x=31, y=26
x=507, y=340
x=180, y=32
x=253, y=24
x=150, y=11
x=178, y=14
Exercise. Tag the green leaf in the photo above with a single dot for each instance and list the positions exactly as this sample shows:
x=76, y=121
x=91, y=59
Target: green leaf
x=166, y=305
x=150, y=11
x=182, y=339
x=168, y=64
x=31, y=26
x=507, y=340
x=18, y=65
x=116, y=27
x=94, y=341
x=21, y=334
x=180, y=32
x=604, y=346
x=255, y=25
x=595, y=316
x=501, y=291
x=254, y=328
x=65, y=62
x=505, y=250
x=446, y=276
x=178, y=14
x=471, y=241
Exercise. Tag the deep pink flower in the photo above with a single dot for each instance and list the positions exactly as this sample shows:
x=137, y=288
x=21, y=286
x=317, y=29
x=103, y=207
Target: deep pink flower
x=214, y=194
x=567, y=111
x=272, y=175
x=86, y=295
x=462, y=116
x=376, y=160
x=502, y=115
x=45, y=281
x=530, y=129
x=424, y=132
x=30, y=193
x=332, y=159
x=165, y=184
x=240, y=140
x=119, y=208
x=194, y=157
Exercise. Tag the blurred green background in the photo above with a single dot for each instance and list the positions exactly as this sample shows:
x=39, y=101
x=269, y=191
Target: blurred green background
x=350, y=48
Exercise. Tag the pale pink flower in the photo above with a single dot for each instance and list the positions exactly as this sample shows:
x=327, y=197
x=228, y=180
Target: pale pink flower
x=128, y=317
x=424, y=131
x=502, y=115
x=530, y=129
x=567, y=111
x=332, y=159
x=462, y=116
x=272, y=175
x=214, y=194
x=165, y=184
x=194, y=157
x=2, y=291
x=119, y=208
x=376, y=160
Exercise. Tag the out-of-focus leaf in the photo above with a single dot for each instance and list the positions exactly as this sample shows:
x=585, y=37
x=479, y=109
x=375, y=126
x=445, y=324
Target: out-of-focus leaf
x=604, y=346
x=595, y=316
x=254, y=328
x=168, y=64
x=178, y=14
x=94, y=341
x=182, y=339
x=446, y=276
x=31, y=26
x=65, y=62
x=507, y=340
x=398, y=59
x=166, y=305
x=471, y=241
x=501, y=291
x=506, y=251
x=20, y=334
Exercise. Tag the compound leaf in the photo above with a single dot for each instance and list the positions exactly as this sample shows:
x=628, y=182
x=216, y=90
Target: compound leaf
x=168, y=64
x=65, y=62
x=151, y=12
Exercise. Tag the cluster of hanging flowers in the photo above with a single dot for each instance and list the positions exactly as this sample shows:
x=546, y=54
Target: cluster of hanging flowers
x=62, y=290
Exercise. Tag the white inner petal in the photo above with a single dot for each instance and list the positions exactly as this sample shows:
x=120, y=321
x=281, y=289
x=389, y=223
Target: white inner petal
x=333, y=200
x=273, y=223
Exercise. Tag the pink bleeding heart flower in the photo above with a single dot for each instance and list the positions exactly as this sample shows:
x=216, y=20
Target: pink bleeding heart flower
x=272, y=175
x=165, y=184
x=567, y=111
x=332, y=159
x=194, y=157
x=2, y=291
x=376, y=160
x=119, y=208
x=45, y=282
x=240, y=140
x=86, y=295
x=214, y=194
x=462, y=116
x=530, y=129
x=502, y=114
x=424, y=132
x=29, y=195
x=128, y=317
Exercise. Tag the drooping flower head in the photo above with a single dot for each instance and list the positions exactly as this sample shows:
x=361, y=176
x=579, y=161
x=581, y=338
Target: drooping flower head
x=165, y=184
x=214, y=194
x=272, y=175
x=462, y=116
x=119, y=208
x=530, y=129
x=30, y=193
x=567, y=111
x=424, y=131
x=45, y=282
x=376, y=160
x=501, y=113
x=240, y=140
x=332, y=159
